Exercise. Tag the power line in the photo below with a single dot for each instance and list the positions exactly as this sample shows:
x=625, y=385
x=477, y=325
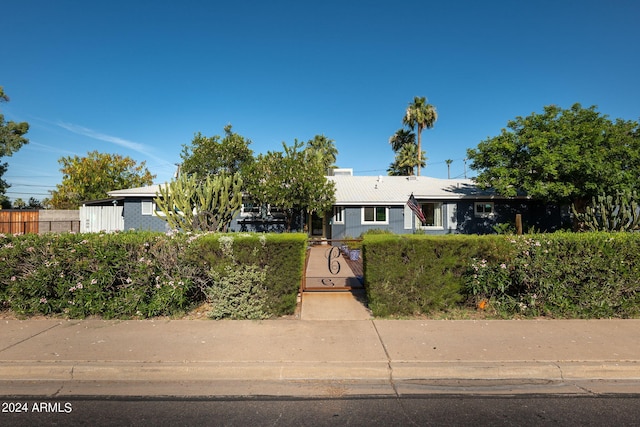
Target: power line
x=27, y=194
x=14, y=184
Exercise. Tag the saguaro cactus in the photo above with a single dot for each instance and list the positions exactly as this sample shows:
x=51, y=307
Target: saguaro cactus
x=611, y=213
x=192, y=204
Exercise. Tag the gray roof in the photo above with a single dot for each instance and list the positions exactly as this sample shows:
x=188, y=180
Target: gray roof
x=149, y=191
x=395, y=190
x=364, y=190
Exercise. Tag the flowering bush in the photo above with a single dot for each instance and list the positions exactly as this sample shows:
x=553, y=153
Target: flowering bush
x=563, y=275
x=570, y=275
x=136, y=274
x=110, y=275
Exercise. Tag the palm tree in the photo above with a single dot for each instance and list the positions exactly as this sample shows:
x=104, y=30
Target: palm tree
x=406, y=161
x=448, y=162
x=326, y=148
x=421, y=115
x=401, y=138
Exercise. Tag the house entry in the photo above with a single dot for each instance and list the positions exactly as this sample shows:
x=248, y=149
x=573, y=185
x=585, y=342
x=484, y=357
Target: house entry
x=333, y=265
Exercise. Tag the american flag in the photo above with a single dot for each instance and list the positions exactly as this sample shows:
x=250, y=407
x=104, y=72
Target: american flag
x=415, y=207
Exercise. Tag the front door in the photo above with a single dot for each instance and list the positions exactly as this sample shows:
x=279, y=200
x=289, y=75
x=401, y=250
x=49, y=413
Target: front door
x=318, y=228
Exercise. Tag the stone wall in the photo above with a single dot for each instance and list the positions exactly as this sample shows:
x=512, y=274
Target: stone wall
x=58, y=221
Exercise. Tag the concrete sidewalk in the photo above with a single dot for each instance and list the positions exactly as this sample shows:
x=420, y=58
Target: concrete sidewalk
x=317, y=358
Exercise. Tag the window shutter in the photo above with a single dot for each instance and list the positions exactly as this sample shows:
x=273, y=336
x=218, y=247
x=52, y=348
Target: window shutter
x=408, y=218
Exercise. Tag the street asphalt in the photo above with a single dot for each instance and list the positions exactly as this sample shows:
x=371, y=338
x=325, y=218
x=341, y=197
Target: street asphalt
x=55, y=358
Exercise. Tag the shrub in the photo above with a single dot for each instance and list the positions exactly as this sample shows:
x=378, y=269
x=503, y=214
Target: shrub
x=281, y=256
x=112, y=275
x=414, y=274
x=590, y=275
x=585, y=275
x=238, y=294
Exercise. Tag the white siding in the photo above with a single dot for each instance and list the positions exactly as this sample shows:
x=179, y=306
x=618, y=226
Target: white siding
x=452, y=216
x=408, y=218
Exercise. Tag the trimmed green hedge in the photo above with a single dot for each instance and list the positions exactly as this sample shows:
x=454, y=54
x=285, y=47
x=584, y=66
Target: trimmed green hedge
x=416, y=274
x=138, y=274
x=565, y=275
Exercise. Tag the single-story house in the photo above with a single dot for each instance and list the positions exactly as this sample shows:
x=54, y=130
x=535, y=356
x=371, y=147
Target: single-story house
x=374, y=202
x=448, y=206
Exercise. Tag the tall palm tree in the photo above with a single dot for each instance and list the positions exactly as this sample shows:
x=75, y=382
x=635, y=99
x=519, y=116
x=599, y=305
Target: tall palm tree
x=448, y=162
x=401, y=138
x=421, y=115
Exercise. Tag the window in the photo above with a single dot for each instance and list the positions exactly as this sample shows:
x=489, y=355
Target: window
x=484, y=209
x=249, y=207
x=157, y=211
x=147, y=207
x=375, y=215
x=338, y=215
x=433, y=214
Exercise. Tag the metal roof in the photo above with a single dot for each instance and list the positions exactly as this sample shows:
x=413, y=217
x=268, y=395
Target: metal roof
x=149, y=191
x=366, y=190
x=395, y=190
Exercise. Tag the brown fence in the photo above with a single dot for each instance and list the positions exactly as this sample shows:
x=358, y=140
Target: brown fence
x=12, y=222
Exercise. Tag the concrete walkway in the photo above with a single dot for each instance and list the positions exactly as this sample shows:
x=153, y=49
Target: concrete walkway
x=335, y=306
x=317, y=358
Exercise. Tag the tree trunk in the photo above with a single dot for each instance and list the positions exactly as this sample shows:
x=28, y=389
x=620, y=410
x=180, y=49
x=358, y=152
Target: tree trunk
x=419, y=148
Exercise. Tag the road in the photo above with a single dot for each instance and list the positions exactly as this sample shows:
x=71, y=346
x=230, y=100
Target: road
x=432, y=410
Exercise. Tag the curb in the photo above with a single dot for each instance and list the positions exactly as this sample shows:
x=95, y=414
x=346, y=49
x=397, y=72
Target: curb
x=315, y=379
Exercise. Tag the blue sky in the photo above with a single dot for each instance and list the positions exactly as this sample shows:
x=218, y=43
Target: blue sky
x=139, y=78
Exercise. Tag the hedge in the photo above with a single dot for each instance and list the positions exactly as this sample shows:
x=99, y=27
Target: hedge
x=417, y=274
x=139, y=274
x=563, y=275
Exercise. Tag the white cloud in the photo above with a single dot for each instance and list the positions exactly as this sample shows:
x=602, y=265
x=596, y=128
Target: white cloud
x=80, y=130
x=131, y=145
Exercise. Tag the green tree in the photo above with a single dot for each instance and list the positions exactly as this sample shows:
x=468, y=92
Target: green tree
x=406, y=161
x=403, y=143
x=420, y=116
x=327, y=149
x=11, y=140
x=213, y=155
x=401, y=138
x=561, y=156
x=19, y=204
x=193, y=204
x=293, y=180
x=448, y=162
x=91, y=177
x=33, y=203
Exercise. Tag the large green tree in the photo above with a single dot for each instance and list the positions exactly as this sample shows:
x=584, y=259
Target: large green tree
x=293, y=180
x=11, y=140
x=214, y=155
x=420, y=116
x=91, y=177
x=561, y=155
